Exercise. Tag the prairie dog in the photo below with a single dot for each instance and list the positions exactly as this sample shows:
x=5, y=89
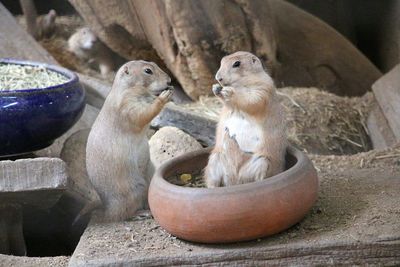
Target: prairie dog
x=252, y=118
x=117, y=151
x=85, y=45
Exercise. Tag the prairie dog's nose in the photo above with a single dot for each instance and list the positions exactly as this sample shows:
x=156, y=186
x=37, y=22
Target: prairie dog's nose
x=218, y=77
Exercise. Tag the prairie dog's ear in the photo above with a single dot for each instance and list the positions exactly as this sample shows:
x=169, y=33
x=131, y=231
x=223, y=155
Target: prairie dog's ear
x=254, y=59
x=126, y=70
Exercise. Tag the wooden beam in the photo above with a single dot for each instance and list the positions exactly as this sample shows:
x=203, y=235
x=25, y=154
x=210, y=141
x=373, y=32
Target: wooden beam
x=387, y=93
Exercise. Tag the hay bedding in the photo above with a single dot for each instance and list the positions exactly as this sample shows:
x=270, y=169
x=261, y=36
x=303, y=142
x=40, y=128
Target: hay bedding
x=318, y=122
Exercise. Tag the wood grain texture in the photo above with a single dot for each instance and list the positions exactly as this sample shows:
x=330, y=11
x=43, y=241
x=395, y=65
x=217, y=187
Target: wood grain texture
x=16, y=43
x=379, y=130
x=36, y=182
x=190, y=38
x=200, y=127
x=387, y=93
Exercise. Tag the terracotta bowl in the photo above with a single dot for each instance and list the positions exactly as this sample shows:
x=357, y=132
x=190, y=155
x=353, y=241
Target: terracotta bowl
x=235, y=213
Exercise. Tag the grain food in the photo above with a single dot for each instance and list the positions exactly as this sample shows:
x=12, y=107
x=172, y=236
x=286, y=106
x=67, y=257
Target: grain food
x=18, y=77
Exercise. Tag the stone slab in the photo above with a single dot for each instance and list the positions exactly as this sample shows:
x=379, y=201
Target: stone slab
x=36, y=182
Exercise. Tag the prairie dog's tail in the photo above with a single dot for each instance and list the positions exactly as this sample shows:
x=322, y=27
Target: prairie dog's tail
x=89, y=207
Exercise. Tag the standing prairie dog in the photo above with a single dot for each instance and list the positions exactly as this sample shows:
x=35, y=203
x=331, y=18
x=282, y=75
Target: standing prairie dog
x=117, y=151
x=85, y=45
x=251, y=137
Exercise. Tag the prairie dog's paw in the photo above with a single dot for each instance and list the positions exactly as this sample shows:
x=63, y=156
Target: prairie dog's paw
x=227, y=92
x=216, y=88
x=165, y=96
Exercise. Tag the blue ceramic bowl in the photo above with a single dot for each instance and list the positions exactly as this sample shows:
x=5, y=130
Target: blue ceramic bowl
x=31, y=119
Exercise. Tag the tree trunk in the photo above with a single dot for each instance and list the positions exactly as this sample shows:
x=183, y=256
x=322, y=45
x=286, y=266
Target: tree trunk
x=190, y=37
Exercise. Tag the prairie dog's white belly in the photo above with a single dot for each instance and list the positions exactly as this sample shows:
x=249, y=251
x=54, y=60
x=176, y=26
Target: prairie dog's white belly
x=247, y=133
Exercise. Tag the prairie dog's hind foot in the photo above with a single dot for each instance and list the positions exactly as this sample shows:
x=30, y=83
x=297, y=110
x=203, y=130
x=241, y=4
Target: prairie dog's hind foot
x=214, y=171
x=255, y=169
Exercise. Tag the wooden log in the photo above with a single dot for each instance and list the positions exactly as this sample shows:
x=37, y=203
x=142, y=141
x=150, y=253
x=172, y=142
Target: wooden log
x=16, y=43
x=387, y=93
x=200, y=127
x=192, y=36
x=379, y=131
x=30, y=15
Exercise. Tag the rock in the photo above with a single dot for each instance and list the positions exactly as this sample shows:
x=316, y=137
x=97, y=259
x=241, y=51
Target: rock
x=170, y=142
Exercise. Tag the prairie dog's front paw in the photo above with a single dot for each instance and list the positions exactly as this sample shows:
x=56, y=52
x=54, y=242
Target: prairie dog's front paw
x=227, y=92
x=165, y=96
x=216, y=88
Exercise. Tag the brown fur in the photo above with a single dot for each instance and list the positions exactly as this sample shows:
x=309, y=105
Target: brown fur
x=252, y=115
x=117, y=152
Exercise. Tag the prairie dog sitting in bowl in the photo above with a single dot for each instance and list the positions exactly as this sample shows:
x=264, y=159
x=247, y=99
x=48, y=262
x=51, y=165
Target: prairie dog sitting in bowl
x=253, y=117
x=85, y=45
x=117, y=152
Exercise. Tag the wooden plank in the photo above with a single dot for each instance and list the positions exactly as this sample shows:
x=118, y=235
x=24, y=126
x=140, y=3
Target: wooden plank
x=354, y=222
x=36, y=182
x=16, y=43
x=387, y=93
x=379, y=131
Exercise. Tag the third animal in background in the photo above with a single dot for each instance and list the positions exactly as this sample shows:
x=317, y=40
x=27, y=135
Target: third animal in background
x=87, y=46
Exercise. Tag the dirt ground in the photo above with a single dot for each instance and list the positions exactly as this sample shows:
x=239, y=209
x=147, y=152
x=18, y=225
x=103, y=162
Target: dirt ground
x=12, y=261
x=358, y=202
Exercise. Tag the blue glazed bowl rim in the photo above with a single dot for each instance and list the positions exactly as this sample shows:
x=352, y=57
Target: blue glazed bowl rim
x=70, y=75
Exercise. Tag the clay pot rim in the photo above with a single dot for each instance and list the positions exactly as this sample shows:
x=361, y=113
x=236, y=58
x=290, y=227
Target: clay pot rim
x=282, y=179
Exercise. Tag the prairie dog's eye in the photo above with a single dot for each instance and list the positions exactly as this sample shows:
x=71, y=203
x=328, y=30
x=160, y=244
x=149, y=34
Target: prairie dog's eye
x=148, y=71
x=236, y=64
